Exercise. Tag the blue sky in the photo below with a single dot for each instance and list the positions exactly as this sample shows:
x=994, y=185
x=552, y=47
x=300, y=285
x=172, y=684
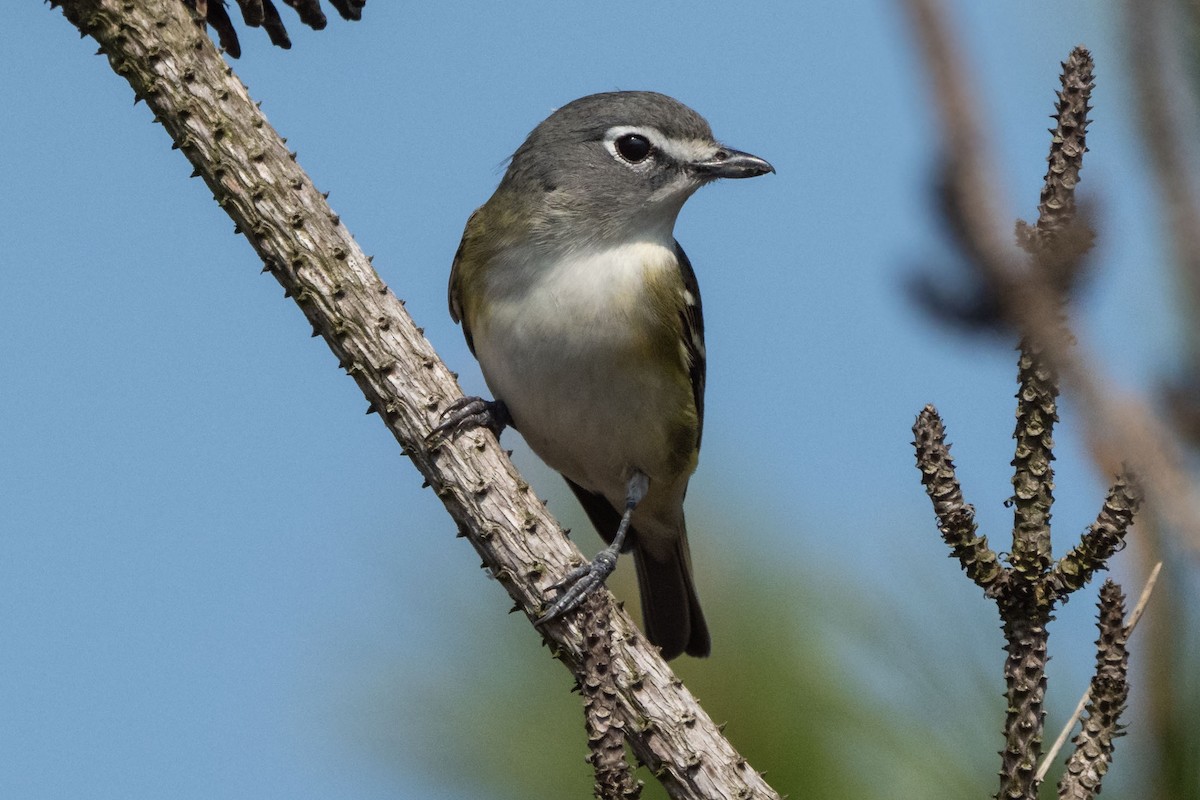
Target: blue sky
x=207, y=549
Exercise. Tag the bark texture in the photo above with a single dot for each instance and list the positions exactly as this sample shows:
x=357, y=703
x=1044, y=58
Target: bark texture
x=164, y=54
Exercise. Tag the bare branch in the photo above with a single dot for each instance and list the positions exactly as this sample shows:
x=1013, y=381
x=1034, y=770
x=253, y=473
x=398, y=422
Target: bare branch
x=1105, y=537
x=605, y=729
x=1025, y=680
x=171, y=64
x=1028, y=293
x=1120, y=428
x=1110, y=690
x=1056, y=209
x=956, y=519
x=1057, y=243
x=1033, y=476
x=1130, y=623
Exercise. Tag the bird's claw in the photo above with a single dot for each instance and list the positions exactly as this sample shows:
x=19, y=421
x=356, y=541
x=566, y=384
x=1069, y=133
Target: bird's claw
x=470, y=412
x=578, y=584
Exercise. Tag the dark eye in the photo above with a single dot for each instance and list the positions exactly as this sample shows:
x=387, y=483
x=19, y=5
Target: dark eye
x=633, y=147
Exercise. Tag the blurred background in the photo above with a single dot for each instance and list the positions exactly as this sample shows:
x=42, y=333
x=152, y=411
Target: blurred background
x=219, y=577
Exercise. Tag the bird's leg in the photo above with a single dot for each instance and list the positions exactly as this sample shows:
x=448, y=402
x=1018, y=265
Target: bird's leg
x=471, y=412
x=584, y=579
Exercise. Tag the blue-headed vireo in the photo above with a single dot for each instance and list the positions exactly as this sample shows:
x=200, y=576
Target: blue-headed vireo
x=585, y=316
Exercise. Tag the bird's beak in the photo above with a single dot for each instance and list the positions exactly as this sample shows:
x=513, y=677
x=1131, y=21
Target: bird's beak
x=730, y=163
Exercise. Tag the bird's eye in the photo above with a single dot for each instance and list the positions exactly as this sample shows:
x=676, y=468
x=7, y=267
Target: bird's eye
x=633, y=147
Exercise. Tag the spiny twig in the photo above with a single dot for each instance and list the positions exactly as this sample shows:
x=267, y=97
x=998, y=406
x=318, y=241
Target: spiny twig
x=1103, y=539
x=1033, y=462
x=605, y=728
x=1120, y=427
x=1109, y=691
x=1030, y=294
x=1061, y=237
x=172, y=66
x=1130, y=623
x=956, y=519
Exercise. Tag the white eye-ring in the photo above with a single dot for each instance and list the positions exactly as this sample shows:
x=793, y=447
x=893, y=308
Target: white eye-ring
x=639, y=147
x=633, y=147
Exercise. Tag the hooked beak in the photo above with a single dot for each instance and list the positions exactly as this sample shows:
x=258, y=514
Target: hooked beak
x=730, y=163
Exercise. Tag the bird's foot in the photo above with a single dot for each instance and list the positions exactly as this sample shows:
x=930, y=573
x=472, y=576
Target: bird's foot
x=586, y=578
x=579, y=583
x=466, y=413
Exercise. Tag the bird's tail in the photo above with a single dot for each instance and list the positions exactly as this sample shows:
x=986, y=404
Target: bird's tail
x=670, y=609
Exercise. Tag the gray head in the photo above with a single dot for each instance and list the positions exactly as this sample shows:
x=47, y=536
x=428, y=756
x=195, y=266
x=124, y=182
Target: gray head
x=619, y=163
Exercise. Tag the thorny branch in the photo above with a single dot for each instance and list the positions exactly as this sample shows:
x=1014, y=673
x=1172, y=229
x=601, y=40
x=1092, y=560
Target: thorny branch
x=1130, y=623
x=163, y=53
x=1120, y=428
x=1109, y=691
x=956, y=519
x=606, y=739
x=1101, y=541
x=1029, y=294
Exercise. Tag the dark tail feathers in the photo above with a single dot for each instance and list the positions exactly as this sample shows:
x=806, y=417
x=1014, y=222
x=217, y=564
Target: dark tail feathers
x=670, y=609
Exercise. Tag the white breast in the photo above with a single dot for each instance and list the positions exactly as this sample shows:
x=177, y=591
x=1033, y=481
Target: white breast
x=564, y=347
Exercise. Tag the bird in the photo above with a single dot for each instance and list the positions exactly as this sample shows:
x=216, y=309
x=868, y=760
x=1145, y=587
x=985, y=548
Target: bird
x=584, y=314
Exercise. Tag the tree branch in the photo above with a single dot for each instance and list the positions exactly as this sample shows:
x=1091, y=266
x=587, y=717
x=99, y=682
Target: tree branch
x=956, y=519
x=1103, y=539
x=614, y=776
x=1109, y=691
x=1033, y=463
x=1120, y=428
x=1028, y=293
x=1130, y=623
x=164, y=54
